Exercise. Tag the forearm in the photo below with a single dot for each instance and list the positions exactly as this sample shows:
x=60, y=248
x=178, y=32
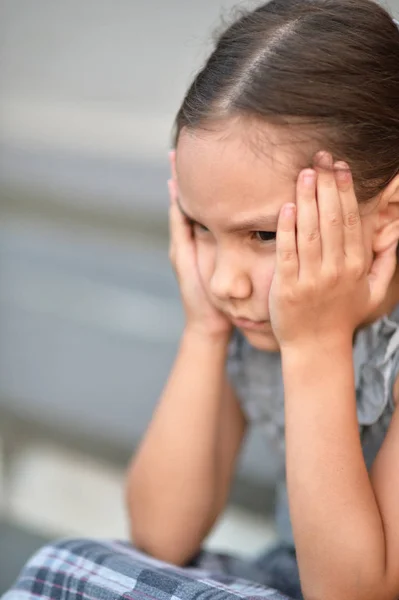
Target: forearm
x=174, y=476
x=336, y=521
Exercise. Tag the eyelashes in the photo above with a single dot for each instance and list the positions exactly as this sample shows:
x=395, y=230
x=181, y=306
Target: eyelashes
x=202, y=228
x=260, y=236
x=264, y=236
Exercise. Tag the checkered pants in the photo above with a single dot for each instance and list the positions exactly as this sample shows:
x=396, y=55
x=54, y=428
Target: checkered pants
x=103, y=570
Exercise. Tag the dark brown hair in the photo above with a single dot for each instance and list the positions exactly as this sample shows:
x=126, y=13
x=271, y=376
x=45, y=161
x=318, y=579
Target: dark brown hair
x=331, y=66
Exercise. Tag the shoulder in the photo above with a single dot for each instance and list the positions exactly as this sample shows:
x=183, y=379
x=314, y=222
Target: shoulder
x=377, y=357
x=393, y=321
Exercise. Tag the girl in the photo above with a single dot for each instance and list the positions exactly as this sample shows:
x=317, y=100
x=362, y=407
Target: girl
x=284, y=224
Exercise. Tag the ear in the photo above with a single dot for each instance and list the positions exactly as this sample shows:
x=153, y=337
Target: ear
x=387, y=230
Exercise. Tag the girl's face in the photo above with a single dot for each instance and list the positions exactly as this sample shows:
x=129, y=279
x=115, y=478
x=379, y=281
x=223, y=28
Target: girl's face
x=233, y=196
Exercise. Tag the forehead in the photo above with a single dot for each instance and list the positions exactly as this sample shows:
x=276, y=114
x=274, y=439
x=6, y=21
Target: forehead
x=231, y=169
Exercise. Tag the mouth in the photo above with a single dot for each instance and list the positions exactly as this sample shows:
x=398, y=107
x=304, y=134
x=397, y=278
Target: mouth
x=248, y=324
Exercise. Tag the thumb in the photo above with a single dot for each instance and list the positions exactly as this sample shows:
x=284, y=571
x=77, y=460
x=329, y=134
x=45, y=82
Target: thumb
x=381, y=272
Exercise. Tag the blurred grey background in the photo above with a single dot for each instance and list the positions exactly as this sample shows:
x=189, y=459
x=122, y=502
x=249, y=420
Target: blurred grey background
x=89, y=310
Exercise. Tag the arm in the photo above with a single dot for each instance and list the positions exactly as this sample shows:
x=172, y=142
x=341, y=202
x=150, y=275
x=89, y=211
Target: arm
x=325, y=286
x=345, y=527
x=180, y=479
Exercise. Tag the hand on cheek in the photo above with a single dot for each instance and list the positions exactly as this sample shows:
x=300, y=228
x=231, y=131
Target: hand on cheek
x=322, y=288
x=201, y=316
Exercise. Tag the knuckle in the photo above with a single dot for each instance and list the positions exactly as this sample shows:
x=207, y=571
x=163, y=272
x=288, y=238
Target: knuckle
x=312, y=236
x=334, y=219
x=290, y=296
x=287, y=255
x=310, y=287
x=287, y=294
x=333, y=275
x=357, y=267
x=351, y=219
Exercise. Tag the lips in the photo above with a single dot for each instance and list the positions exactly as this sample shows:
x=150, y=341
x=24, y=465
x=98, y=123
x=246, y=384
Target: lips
x=244, y=323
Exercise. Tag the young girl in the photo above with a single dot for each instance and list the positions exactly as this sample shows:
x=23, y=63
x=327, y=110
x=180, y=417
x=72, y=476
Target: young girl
x=284, y=221
x=284, y=224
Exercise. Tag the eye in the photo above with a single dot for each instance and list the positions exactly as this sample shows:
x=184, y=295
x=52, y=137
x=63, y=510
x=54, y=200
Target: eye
x=200, y=228
x=264, y=236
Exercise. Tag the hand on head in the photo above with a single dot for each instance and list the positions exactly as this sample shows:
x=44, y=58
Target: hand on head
x=323, y=284
x=201, y=314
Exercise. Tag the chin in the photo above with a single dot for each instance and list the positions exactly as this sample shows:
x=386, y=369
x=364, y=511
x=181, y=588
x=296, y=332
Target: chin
x=260, y=340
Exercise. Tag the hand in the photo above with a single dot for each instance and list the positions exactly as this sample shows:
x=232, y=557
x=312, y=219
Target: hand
x=322, y=288
x=201, y=315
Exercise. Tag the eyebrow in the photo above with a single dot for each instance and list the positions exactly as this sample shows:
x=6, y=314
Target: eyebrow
x=262, y=223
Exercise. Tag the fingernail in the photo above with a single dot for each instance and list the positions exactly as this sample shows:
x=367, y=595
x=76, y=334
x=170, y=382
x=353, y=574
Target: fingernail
x=309, y=177
x=324, y=160
x=342, y=171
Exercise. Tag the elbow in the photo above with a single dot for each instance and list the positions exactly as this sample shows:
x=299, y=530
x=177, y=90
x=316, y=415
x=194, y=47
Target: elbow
x=349, y=596
x=158, y=541
x=155, y=547
x=358, y=592
x=154, y=536
x=363, y=578
x=160, y=532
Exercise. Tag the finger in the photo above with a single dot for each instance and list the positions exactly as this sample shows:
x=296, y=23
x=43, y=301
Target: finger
x=286, y=245
x=308, y=231
x=172, y=183
x=180, y=229
x=172, y=187
x=353, y=232
x=330, y=213
x=381, y=273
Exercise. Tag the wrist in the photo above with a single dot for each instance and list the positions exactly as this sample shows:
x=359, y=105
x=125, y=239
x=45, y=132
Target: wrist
x=316, y=350
x=196, y=333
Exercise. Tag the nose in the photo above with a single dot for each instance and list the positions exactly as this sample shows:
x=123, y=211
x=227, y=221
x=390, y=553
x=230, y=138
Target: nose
x=229, y=280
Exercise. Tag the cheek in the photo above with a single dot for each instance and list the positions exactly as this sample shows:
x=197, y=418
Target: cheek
x=262, y=275
x=206, y=255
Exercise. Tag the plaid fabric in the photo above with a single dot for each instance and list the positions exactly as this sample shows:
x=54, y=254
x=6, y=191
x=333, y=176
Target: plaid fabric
x=99, y=570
